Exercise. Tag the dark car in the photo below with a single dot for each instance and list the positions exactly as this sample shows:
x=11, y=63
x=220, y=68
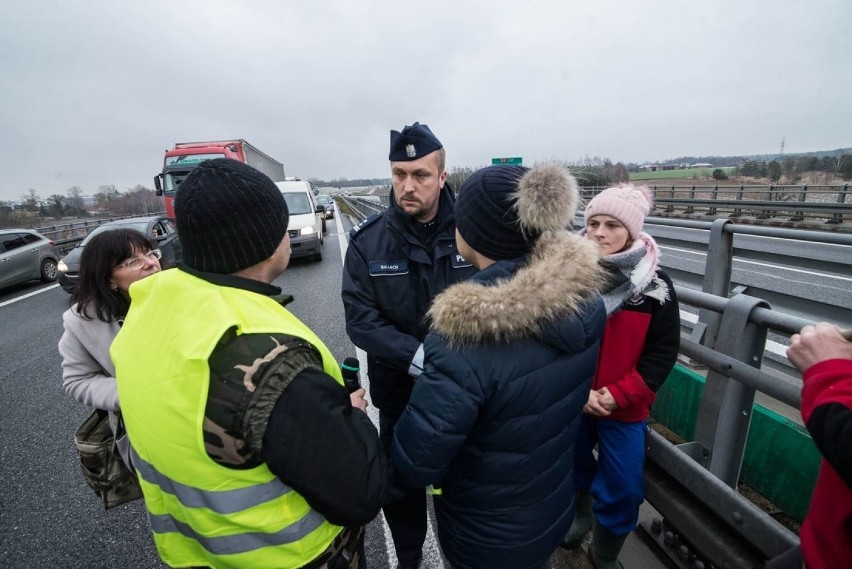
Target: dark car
x=25, y=255
x=159, y=228
x=325, y=200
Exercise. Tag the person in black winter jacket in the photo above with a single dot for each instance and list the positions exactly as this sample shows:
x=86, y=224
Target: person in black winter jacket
x=493, y=418
x=397, y=261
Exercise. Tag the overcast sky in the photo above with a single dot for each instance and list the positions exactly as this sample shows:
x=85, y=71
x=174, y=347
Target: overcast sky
x=93, y=92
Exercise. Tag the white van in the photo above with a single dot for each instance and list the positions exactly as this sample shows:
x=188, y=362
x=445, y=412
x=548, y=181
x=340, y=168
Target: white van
x=305, y=226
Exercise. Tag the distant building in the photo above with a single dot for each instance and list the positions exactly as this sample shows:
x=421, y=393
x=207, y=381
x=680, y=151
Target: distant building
x=702, y=165
x=648, y=167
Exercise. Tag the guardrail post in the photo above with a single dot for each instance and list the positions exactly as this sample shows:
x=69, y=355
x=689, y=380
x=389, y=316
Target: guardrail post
x=726, y=405
x=690, y=208
x=799, y=215
x=738, y=210
x=841, y=198
x=670, y=207
x=717, y=274
x=767, y=213
x=713, y=196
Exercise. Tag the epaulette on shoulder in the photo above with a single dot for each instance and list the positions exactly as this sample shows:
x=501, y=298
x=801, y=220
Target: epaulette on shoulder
x=367, y=222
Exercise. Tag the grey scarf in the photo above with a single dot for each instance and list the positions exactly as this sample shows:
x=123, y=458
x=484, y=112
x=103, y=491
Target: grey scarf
x=633, y=274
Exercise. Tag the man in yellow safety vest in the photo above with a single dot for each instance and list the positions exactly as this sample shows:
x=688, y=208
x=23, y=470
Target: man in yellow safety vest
x=249, y=450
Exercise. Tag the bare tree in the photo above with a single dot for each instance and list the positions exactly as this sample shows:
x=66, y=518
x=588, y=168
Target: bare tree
x=74, y=201
x=457, y=176
x=56, y=205
x=31, y=200
x=145, y=198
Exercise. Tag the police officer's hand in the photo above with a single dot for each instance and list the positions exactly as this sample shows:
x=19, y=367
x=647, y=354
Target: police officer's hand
x=357, y=399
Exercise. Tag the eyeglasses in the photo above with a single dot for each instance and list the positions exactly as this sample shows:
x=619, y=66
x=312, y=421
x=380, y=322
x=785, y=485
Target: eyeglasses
x=136, y=263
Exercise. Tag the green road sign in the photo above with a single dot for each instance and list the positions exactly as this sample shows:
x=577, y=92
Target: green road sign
x=517, y=160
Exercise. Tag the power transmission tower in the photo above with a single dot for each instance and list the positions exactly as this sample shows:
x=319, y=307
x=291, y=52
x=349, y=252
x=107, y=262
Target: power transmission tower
x=782, y=146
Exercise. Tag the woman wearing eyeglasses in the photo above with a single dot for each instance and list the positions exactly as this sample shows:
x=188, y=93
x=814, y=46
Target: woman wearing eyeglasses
x=110, y=263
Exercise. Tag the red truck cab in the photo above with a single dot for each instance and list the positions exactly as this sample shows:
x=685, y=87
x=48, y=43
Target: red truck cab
x=180, y=160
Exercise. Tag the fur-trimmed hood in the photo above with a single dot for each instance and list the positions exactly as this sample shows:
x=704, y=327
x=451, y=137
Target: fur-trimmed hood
x=521, y=297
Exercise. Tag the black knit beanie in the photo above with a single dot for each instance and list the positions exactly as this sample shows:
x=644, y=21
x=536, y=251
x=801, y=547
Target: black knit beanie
x=486, y=214
x=229, y=216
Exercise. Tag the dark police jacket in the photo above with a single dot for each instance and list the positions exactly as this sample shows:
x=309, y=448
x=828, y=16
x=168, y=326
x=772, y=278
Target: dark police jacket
x=493, y=418
x=389, y=281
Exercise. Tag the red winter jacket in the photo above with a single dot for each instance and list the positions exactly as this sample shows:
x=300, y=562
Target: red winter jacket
x=638, y=350
x=827, y=410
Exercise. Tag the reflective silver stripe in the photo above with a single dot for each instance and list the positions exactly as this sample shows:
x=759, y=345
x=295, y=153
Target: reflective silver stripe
x=220, y=501
x=242, y=542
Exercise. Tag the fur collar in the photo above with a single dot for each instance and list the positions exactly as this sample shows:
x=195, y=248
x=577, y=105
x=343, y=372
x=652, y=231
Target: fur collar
x=509, y=302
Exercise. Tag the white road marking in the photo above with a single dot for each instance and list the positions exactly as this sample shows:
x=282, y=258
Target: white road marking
x=23, y=296
x=771, y=346
x=759, y=264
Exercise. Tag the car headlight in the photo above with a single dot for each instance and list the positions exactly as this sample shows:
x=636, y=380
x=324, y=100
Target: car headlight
x=308, y=230
x=62, y=267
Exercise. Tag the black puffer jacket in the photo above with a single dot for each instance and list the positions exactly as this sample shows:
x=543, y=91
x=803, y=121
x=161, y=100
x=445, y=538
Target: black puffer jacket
x=493, y=418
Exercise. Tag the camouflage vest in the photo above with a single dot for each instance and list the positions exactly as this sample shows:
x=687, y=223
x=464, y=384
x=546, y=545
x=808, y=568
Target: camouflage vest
x=201, y=512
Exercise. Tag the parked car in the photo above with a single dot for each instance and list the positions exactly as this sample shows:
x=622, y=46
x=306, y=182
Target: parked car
x=325, y=200
x=26, y=254
x=306, y=220
x=159, y=228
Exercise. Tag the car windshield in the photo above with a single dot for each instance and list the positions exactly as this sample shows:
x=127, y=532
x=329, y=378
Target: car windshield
x=324, y=200
x=298, y=203
x=140, y=226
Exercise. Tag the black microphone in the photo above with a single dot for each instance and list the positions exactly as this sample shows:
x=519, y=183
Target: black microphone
x=350, y=368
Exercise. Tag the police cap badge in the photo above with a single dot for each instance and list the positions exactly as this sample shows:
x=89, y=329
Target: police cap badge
x=412, y=142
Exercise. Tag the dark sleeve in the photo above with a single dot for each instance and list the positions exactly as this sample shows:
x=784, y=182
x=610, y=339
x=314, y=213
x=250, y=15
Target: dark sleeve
x=440, y=415
x=326, y=450
x=662, y=340
x=830, y=425
x=365, y=325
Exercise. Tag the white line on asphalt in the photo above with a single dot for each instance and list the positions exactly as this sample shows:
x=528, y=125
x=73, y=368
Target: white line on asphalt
x=23, y=296
x=803, y=271
x=771, y=346
x=748, y=262
x=431, y=551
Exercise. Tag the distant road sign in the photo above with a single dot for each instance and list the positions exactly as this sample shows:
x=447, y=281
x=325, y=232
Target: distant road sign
x=517, y=160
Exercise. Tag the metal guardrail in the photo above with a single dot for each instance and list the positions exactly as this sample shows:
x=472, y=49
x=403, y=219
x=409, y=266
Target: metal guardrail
x=693, y=485
x=794, y=206
x=363, y=207
x=68, y=235
x=798, y=203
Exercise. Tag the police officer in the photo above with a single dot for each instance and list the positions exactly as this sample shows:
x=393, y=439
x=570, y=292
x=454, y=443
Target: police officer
x=397, y=261
x=250, y=452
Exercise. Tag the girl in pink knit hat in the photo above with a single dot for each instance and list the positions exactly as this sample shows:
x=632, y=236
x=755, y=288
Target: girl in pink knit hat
x=638, y=350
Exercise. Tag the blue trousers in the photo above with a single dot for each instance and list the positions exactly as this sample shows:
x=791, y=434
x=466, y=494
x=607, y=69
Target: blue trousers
x=615, y=479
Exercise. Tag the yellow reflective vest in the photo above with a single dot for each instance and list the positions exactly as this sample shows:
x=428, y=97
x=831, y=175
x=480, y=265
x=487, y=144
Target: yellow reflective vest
x=203, y=513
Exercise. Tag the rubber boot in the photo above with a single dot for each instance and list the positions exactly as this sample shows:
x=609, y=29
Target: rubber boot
x=605, y=548
x=582, y=522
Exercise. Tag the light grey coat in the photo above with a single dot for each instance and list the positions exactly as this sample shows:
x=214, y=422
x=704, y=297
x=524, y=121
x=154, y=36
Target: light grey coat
x=88, y=374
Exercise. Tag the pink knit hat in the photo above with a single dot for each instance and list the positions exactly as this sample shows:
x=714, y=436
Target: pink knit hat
x=627, y=203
